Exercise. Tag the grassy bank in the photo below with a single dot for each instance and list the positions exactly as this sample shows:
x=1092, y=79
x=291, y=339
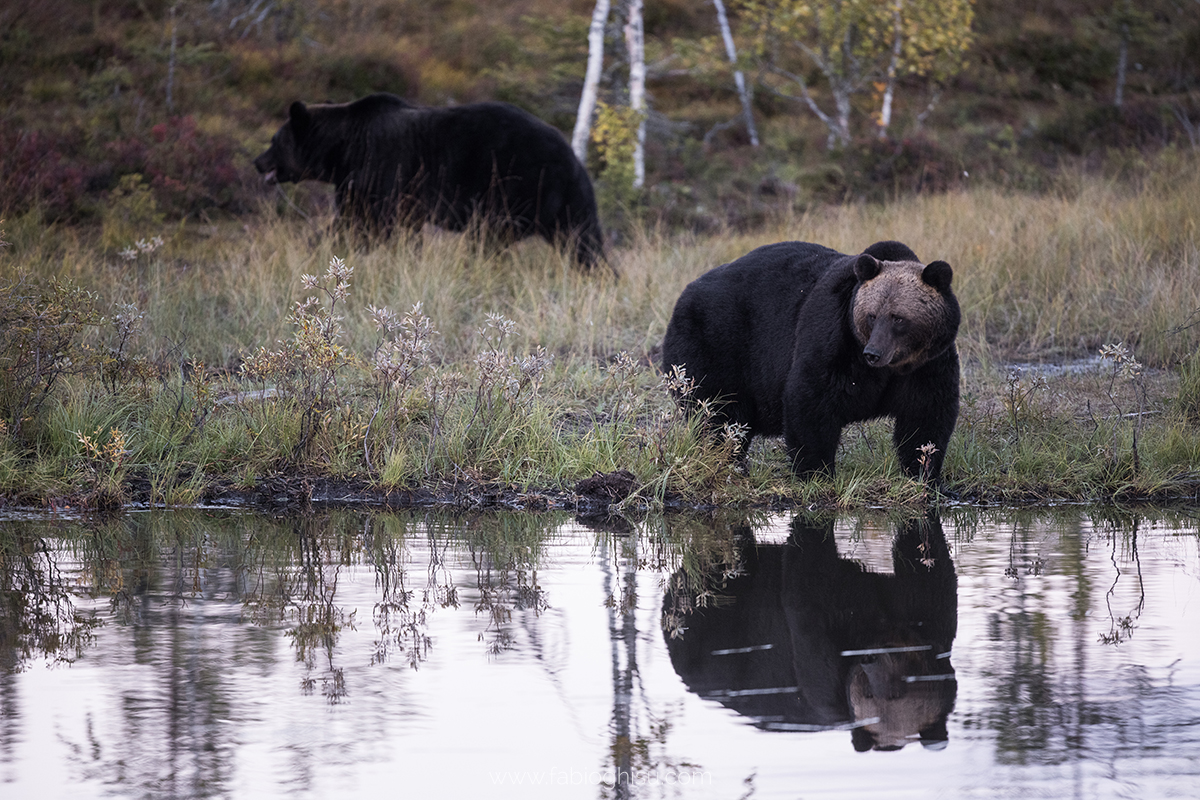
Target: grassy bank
x=188, y=364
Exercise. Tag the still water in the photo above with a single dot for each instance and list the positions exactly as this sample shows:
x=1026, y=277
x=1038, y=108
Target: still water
x=341, y=655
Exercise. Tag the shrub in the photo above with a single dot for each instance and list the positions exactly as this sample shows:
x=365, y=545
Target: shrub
x=187, y=169
x=37, y=172
x=40, y=343
x=877, y=170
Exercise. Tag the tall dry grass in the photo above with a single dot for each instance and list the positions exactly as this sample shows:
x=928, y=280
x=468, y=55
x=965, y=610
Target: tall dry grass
x=1039, y=277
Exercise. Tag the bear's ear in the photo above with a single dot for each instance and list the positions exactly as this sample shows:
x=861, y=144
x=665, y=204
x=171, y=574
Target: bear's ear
x=938, y=274
x=865, y=268
x=301, y=119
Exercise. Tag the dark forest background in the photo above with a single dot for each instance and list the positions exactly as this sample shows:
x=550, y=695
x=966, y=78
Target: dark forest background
x=107, y=97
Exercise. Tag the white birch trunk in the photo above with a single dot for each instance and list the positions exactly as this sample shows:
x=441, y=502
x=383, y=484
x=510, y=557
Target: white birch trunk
x=738, y=78
x=635, y=42
x=171, y=64
x=841, y=100
x=591, y=80
x=1122, y=62
x=889, y=91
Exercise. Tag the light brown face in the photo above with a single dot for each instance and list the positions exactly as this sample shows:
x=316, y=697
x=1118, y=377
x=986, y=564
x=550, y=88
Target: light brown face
x=897, y=316
x=896, y=697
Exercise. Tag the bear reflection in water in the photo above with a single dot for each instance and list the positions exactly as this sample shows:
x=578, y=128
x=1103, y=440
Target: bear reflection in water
x=802, y=639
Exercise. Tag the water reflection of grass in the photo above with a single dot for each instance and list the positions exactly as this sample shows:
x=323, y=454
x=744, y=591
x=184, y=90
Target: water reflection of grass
x=287, y=571
x=1043, y=689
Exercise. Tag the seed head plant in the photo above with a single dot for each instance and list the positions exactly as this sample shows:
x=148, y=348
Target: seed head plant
x=504, y=381
x=1127, y=368
x=305, y=369
x=404, y=350
x=141, y=247
x=117, y=364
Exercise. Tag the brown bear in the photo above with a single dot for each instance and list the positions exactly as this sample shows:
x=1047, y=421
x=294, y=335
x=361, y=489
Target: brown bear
x=488, y=164
x=798, y=339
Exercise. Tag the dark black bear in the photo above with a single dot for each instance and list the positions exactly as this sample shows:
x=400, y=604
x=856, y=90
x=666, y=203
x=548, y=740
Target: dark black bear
x=803, y=639
x=393, y=163
x=799, y=339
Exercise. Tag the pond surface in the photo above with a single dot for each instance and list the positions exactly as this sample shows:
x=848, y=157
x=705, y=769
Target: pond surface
x=343, y=655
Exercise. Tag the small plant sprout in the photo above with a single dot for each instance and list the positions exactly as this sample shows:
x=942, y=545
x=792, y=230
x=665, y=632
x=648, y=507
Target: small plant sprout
x=105, y=463
x=677, y=382
x=497, y=328
x=1127, y=368
x=1123, y=360
x=925, y=459
x=734, y=433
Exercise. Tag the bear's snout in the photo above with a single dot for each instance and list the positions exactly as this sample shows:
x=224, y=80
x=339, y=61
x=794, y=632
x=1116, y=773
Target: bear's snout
x=265, y=164
x=880, y=349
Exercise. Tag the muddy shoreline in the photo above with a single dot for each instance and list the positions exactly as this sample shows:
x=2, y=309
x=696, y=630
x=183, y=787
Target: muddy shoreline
x=600, y=496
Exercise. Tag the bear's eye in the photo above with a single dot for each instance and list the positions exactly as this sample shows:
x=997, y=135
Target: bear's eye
x=899, y=324
x=871, y=320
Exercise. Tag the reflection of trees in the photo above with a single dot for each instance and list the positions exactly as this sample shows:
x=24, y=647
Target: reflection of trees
x=167, y=579
x=1121, y=627
x=322, y=551
x=504, y=549
x=621, y=601
x=1053, y=701
x=181, y=588
x=401, y=624
x=638, y=752
x=38, y=616
x=1024, y=714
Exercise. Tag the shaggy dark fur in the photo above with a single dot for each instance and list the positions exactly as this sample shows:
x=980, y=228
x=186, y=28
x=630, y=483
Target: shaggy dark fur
x=487, y=164
x=799, y=339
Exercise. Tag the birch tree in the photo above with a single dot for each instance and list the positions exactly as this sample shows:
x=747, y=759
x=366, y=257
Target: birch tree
x=591, y=80
x=928, y=40
x=893, y=68
x=635, y=44
x=855, y=46
x=1131, y=25
x=739, y=78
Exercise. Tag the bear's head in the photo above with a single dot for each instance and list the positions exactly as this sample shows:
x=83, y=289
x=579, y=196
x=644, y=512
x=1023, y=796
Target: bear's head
x=287, y=159
x=903, y=312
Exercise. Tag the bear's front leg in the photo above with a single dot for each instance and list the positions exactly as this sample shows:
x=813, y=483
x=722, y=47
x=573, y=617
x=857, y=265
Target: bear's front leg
x=812, y=424
x=812, y=442
x=925, y=419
